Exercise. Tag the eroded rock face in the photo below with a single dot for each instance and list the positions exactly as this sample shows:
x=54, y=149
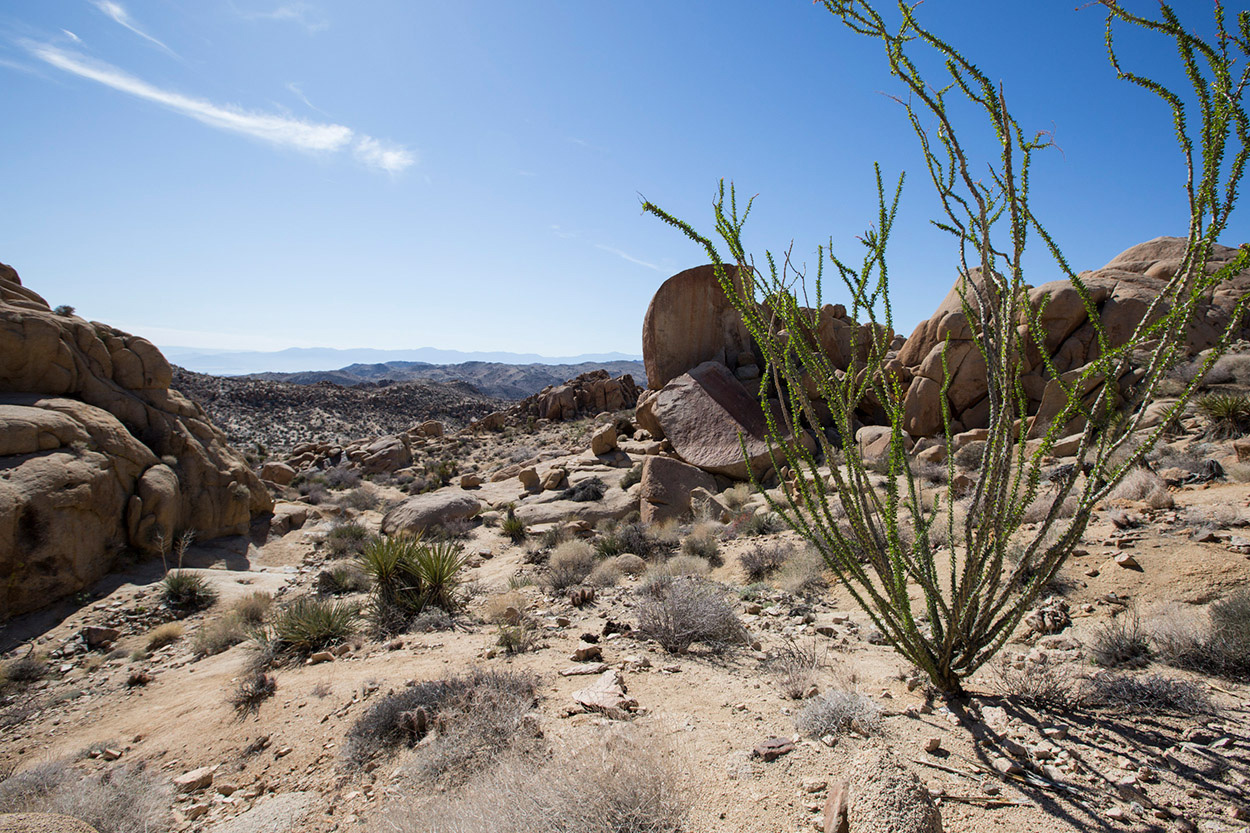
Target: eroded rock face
x=1121, y=293
x=98, y=454
x=419, y=513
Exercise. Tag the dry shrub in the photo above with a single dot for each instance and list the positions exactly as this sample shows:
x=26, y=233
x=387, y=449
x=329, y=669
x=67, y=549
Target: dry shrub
x=345, y=577
x=1219, y=646
x=347, y=539
x=219, y=634
x=496, y=609
x=252, y=689
x=735, y=497
x=471, y=717
x=1044, y=685
x=1121, y=643
x=682, y=565
x=764, y=559
x=252, y=608
x=703, y=542
x=162, y=635
x=624, y=782
x=1037, y=511
x=803, y=573
x=123, y=799
x=1149, y=693
x=837, y=713
x=607, y=573
x=795, y=668
x=678, y=612
x=569, y=565
x=1143, y=485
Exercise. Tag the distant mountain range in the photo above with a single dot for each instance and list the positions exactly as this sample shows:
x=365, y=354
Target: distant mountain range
x=495, y=379
x=300, y=359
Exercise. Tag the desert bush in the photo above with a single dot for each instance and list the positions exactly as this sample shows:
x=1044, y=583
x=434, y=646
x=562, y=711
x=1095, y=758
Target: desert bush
x=1121, y=643
x=347, y=539
x=569, y=565
x=338, y=579
x=219, y=635
x=518, y=638
x=251, y=609
x=162, y=635
x=186, y=592
x=1041, y=506
x=702, y=543
x=626, y=782
x=735, y=497
x=309, y=624
x=1147, y=693
x=513, y=527
x=485, y=702
x=758, y=523
x=252, y=689
x=23, y=670
x=838, y=712
x=795, y=668
x=679, y=565
x=455, y=529
x=679, y=612
x=1220, y=646
x=1144, y=485
x=63, y=310
x=122, y=799
x=607, y=573
x=1227, y=415
x=589, y=490
x=341, y=477
x=361, y=498
x=1044, y=685
x=990, y=216
x=497, y=607
x=762, y=560
x=803, y=574
x=636, y=538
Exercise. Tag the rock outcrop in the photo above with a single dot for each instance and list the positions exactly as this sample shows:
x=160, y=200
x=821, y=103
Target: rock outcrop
x=1121, y=292
x=588, y=394
x=98, y=454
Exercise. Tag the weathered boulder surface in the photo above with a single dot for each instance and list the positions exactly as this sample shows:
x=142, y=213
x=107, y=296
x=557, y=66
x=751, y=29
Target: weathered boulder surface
x=98, y=454
x=704, y=412
x=419, y=513
x=1121, y=293
x=666, y=487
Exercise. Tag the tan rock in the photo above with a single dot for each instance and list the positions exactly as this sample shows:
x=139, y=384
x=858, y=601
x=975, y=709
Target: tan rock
x=667, y=483
x=279, y=473
x=688, y=322
x=603, y=440
x=418, y=513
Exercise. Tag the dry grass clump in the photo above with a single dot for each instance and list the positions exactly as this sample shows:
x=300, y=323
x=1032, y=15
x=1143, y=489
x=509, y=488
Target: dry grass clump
x=587, y=491
x=703, y=542
x=252, y=689
x=1143, y=485
x=795, y=668
x=758, y=523
x=1037, y=511
x=838, y=712
x=765, y=559
x=636, y=538
x=472, y=718
x=681, y=565
x=123, y=799
x=678, y=612
x=252, y=608
x=1149, y=693
x=735, y=497
x=803, y=574
x=607, y=573
x=23, y=671
x=1121, y=643
x=247, y=613
x=504, y=608
x=342, y=578
x=570, y=565
x=1220, y=646
x=625, y=782
x=162, y=635
x=347, y=539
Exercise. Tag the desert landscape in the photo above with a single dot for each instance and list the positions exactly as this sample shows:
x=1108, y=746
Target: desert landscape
x=836, y=552
x=613, y=630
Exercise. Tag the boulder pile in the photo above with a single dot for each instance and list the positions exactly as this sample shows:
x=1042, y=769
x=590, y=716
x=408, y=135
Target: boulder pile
x=98, y=454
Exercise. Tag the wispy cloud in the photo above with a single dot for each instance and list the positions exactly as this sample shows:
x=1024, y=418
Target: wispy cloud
x=298, y=92
x=562, y=233
x=122, y=18
x=627, y=256
x=301, y=13
x=383, y=155
x=72, y=36
x=279, y=130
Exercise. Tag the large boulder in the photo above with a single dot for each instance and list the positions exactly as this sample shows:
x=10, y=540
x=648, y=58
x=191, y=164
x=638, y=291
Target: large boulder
x=666, y=487
x=589, y=393
x=419, y=513
x=691, y=321
x=1120, y=294
x=99, y=454
x=707, y=416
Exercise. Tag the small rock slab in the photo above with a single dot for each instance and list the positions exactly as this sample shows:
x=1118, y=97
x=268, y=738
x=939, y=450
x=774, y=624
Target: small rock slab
x=773, y=748
x=196, y=779
x=283, y=813
x=606, y=695
x=584, y=670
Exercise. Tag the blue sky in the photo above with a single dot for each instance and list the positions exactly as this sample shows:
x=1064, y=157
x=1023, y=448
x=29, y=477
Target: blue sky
x=260, y=174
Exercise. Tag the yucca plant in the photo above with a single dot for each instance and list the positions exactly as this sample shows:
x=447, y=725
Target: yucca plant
x=886, y=543
x=437, y=568
x=1227, y=415
x=310, y=624
x=408, y=574
x=513, y=527
x=186, y=592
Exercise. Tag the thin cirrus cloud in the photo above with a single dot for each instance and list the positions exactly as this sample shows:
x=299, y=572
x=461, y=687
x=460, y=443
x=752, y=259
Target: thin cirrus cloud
x=627, y=256
x=279, y=130
x=122, y=18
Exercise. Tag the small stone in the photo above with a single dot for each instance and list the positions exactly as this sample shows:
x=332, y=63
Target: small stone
x=320, y=657
x=773, y=748
x=829, y=740
x=98, y=637
x=111, y=754
x=1238, y=813
x=814, y=785
x=1127, y=561
x=196, y=779
x=581, y=670
x=587, y=653
x=1006, y=766
x=1118, y=814
x=283, y=752
x=933, y=745
x=1055, y=732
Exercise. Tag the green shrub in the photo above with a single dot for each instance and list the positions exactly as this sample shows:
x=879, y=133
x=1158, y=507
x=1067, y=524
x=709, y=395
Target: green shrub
x=1227, y=415
x=409, y=574
x=513, y=527
x=338, y=579
x=347, y=539
x=309, y=624
x=186, y=592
